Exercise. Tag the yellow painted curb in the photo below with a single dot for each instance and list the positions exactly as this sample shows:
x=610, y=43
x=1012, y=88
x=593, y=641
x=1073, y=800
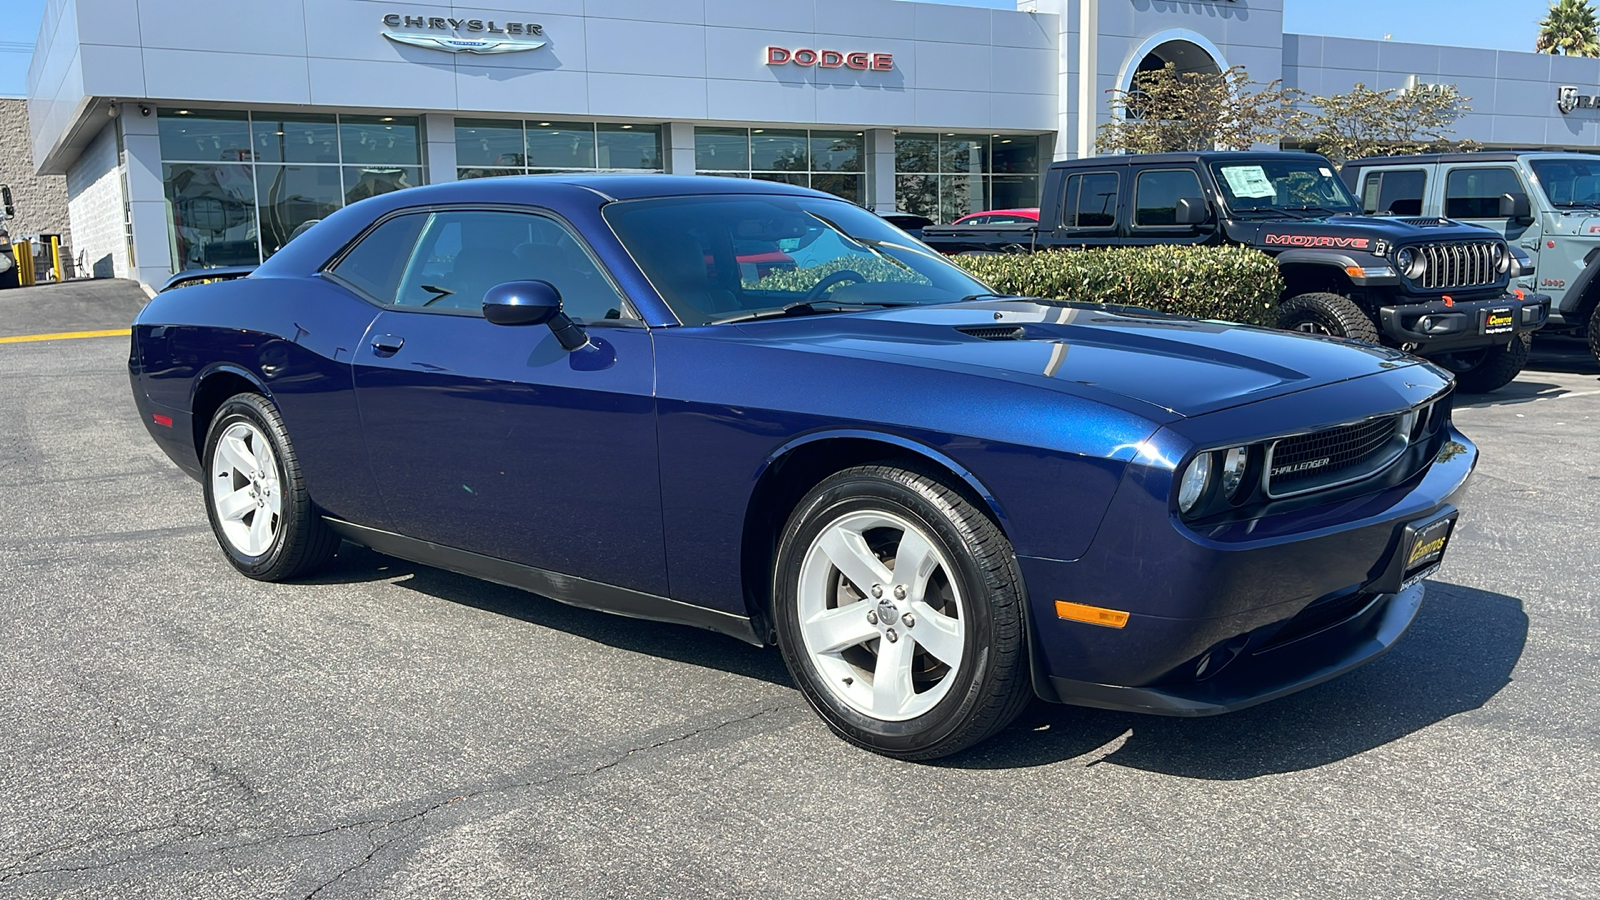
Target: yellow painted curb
x=63, y=336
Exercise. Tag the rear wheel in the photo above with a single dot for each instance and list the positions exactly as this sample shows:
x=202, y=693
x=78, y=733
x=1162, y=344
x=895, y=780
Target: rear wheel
x=256, y=496
x=899, y=608
x=1489, y=368
x=1333, y=315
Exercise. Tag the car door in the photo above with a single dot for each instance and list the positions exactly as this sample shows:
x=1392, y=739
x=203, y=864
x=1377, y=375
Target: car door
x=1156, y=192
x=1472, y=195
x=493, y=438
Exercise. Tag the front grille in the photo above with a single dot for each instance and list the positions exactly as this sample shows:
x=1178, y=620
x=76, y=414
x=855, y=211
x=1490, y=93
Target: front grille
x=1333, y=456
x=1462, y=264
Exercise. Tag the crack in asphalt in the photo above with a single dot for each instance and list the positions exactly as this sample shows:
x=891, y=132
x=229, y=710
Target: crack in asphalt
x=166, y=849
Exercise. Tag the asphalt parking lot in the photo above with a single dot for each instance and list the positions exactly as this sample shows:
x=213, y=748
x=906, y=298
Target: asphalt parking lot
x=169, y=728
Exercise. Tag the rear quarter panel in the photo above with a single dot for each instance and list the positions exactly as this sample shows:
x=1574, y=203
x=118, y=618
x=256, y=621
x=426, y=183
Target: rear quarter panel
x=294, y=337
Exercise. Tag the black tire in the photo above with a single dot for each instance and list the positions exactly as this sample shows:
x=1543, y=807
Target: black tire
x=1489, y=369
x=1329, y=314
x=989, y=686
x=302, y=541
x=1594, y=333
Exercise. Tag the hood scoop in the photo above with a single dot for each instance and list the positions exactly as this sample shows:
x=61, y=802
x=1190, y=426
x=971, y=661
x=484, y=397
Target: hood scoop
x=995, y=332
x=1427, y=222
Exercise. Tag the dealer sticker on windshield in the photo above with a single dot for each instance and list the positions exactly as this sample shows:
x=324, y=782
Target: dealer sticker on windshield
x=1248, y=181
x=1499, y=321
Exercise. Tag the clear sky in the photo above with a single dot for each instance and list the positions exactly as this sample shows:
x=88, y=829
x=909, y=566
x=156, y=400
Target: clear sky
x=1496, y=24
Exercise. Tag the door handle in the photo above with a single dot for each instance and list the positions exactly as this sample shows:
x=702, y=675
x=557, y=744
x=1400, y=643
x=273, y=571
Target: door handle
x=388, y=343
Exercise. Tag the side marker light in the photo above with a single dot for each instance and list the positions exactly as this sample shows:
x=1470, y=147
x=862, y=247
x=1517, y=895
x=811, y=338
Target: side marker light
x=1094, y=615
x=159, y=419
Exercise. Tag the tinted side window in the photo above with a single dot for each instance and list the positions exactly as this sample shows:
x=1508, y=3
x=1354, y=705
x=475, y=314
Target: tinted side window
x=1156, y=195
x=375, y=264
x=1475, y=193
x=1398, y=192
x=464, y=253
x=1091, y=201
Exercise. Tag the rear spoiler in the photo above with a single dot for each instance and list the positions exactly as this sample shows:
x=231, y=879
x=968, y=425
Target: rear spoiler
x=201, y=276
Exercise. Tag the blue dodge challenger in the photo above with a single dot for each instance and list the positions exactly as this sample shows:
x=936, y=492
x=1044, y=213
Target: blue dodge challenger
x=764, y=411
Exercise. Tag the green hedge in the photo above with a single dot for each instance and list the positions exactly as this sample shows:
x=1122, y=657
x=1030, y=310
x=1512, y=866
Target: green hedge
x=1235, y=284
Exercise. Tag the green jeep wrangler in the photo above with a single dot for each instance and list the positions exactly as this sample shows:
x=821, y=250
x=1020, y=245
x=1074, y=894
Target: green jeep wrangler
x=1546, y=204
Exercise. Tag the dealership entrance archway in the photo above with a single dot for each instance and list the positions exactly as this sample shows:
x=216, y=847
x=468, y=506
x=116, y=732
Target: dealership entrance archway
x=1187, y=51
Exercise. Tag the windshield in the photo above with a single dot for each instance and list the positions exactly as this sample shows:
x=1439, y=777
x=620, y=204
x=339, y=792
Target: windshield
x=738, y=256
x=1288, y=185
x=1569, y=182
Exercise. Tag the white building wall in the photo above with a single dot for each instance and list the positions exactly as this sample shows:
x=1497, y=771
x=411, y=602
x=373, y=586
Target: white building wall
x=96, y=209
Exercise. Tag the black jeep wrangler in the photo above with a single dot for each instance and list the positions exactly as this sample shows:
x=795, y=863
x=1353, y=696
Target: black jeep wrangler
x=1433, y=286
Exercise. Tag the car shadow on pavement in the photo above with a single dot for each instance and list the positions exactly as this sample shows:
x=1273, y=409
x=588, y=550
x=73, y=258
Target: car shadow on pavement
x=681, y=643
x=1458, y=654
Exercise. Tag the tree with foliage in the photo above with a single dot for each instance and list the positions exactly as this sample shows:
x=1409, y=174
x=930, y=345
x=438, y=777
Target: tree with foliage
x=1364, y=122
x=1167, y=111
x=1570, y=29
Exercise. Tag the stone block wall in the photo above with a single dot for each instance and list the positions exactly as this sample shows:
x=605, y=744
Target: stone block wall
x=41, y=201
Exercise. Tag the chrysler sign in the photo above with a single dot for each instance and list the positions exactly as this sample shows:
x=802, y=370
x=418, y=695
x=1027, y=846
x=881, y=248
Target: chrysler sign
x=830, y=59
x=421, y=31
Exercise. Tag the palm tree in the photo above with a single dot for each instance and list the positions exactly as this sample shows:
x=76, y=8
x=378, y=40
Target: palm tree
x=1569, y=29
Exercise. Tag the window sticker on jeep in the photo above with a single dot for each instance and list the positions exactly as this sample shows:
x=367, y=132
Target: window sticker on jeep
x=1248, y=181
x=1326, y=172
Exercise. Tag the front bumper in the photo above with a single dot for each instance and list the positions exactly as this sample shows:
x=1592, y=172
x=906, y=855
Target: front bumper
x=1241, y=614
x=1439, y=326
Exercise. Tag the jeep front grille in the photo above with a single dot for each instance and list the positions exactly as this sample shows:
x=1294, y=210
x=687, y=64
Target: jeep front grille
x=1462, y=264
x=1333, y=456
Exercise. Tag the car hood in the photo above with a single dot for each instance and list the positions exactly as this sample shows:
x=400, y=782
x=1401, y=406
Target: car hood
x=1185, y=366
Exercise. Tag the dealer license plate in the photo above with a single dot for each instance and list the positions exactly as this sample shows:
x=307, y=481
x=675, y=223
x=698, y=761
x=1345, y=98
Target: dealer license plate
x=1500, y=321
x=1426, y=549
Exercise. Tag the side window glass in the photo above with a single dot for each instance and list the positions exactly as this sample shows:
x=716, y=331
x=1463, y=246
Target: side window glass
x=1156, y=195
x=1398, y=193
x=376, y=263
x=462, y=254
x=1475, y=193
x=1092, y=200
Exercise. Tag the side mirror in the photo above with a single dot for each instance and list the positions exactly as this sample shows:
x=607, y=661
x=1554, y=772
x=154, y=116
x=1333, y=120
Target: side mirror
x=1515, y=206
x=1192, y=211
x=532, y=303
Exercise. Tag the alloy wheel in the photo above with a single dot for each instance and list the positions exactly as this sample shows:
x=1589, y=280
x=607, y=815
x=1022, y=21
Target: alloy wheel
x=245, y=490
x=881, y=615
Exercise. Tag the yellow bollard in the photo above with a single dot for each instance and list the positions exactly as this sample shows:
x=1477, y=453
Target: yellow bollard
x=55, y=256
x=24, y=253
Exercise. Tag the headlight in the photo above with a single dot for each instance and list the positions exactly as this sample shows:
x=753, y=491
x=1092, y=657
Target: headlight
x=1233, y=467
x=1502, y=259
x=1195, y=479
x=1410, y=263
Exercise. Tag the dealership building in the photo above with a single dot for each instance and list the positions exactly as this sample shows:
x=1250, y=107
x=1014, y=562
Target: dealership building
x=204, y=132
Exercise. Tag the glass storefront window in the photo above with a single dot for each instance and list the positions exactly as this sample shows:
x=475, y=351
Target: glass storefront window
x=722, y=149
x=946, y=176
x=629, y=146
x=389, y=140
x=196, y=136
x=288, y=197
x=361, y=182
x=824, y=160
x=560, y=145
x=490, y=142
x=213, y=214
x=772, y=150
x=466, y=174
x=240, y=185
x=305, y=139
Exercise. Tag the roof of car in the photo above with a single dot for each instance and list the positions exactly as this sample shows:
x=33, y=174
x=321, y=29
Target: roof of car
x=1426, y=159
x=613, y=186
x=1145, y=159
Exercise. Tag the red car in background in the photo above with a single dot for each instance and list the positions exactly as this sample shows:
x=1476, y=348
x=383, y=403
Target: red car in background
x=1000, y=217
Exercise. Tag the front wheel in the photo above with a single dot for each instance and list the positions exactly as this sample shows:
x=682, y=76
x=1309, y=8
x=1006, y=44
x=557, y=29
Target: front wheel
x=1333, y=315
x=899, y=610
x=256, y=496
x=1490, y=368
